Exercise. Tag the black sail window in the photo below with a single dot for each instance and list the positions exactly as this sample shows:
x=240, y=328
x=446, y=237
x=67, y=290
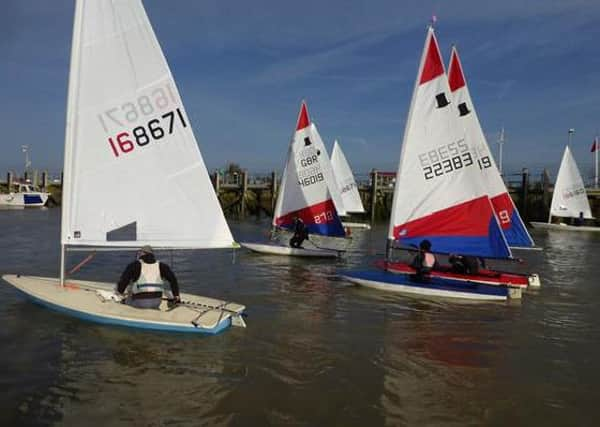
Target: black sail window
x=441, y=99
x=463, y=109
x=307, y=141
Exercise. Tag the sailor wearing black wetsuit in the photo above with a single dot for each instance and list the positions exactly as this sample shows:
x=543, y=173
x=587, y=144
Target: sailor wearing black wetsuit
x=300, y=233
x=146, y=277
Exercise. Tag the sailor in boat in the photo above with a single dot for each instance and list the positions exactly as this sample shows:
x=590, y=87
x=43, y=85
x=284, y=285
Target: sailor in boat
x=300, y=233
x=146, y=279
x=424, y=262
x=579, y=221
x=464, y=264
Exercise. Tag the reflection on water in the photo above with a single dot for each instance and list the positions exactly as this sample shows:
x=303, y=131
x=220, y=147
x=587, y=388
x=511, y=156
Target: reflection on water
x=317, y=351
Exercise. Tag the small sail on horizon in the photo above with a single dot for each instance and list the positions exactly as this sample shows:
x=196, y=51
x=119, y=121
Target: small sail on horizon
x=438, y=195
x=508, y=216
x=569, y=197
x=345, y=180
x=305, y=190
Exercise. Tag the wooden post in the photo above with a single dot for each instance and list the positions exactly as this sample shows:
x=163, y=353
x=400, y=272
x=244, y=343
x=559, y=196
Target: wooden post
x=244, y=190
x=524, y=193
x=545, y=188
x=374, y=176
x=34, y=178
x=9, y=181
x=216, y=182
x=273, y=190
x=44, y=180
x=62, y=177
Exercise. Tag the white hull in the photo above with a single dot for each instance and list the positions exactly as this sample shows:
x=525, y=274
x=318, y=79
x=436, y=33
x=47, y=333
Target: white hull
x=565, y=227
x=33, y=199
x=80, y=299
x=358, y=225
x=274, y=249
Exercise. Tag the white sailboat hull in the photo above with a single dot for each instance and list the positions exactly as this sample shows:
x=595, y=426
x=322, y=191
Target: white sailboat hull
x=273, y=249
x=357, y=225
x=32, y=199
x=81, y=299
x=564, y=227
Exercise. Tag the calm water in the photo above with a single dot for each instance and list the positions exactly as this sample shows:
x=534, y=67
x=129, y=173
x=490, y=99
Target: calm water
x=316, y=351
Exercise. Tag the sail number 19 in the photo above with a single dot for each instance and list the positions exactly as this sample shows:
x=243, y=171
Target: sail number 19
x=154, y=130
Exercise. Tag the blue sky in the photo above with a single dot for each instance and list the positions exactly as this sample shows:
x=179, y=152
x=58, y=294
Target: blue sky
x=243, y=67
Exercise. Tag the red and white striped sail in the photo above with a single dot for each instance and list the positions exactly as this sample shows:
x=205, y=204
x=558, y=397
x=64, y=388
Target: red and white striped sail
x=345, y=180
x=438, y=195
x=307, y=187
x=512, y=225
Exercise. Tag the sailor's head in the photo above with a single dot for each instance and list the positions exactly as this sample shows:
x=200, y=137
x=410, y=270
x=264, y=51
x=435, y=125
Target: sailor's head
x=425, y=245
x=144, y=250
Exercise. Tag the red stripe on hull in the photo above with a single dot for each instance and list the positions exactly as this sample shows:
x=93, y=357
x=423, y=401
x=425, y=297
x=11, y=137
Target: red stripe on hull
x=471, y=218
x=484, y=275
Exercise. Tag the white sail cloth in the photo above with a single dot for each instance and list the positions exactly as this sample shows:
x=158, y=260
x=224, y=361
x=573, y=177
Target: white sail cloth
x=345, y=180
x=133, y=172
x=569, y=198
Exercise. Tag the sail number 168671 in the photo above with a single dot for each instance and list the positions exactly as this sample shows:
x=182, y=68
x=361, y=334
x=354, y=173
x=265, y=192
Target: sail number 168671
x=154, y=130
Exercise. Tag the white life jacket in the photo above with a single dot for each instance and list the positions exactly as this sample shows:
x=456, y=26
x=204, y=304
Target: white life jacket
x=149, y=280
x=428, y=260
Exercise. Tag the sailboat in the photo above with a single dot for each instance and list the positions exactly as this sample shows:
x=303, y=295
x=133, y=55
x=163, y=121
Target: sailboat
x=25, y=196
x=128, y=137
x=438, y=194
x=511, y=224
x=569, y=198
x=347, y=186
x=308, y=191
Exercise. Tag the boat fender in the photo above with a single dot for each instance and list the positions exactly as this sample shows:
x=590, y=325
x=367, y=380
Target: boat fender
x=534, y=280
x=514, y=292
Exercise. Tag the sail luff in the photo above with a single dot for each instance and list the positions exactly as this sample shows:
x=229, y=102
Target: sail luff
x=395, y=200
x=72, y=93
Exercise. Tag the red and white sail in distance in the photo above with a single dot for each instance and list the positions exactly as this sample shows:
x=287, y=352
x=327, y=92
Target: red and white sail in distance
x=438, y=194
x=512, y=225
x=306, y=190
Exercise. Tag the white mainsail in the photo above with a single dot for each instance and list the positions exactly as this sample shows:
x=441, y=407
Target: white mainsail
x=133, y=172
x=345, y=180
x=306, y=187
x=569, y=197
x=510, y=221
x=438, y=195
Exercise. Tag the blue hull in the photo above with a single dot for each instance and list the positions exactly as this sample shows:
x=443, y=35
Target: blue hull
x=433, y=286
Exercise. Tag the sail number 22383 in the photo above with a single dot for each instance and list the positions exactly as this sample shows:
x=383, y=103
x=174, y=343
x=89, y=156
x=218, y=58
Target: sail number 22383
x=449, y=158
